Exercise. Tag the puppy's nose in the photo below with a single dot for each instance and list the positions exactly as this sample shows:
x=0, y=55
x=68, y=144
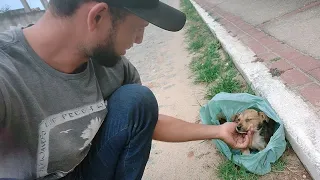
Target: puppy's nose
x=239, y=127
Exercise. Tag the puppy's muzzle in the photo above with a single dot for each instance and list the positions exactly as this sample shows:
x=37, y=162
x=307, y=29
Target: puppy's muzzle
x=239, y=129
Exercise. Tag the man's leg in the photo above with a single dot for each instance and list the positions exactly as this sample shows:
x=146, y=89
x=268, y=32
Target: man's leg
x=122, y=146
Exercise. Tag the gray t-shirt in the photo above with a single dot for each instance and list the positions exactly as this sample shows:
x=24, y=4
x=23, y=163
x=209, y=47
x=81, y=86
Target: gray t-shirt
x=48, y=118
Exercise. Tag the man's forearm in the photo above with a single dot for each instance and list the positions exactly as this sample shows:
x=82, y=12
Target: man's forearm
x=171, y=129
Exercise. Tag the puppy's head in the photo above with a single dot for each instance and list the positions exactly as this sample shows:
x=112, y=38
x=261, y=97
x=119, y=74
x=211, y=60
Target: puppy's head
x=249, y=119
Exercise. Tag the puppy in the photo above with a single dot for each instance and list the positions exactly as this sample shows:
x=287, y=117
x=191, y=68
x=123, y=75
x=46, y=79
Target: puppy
x=261, y=124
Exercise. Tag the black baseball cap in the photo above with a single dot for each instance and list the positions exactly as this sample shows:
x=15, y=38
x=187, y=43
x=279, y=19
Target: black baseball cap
x=153, y=11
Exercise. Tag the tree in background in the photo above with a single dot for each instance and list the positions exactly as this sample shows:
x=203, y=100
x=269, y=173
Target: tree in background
x=5, y=9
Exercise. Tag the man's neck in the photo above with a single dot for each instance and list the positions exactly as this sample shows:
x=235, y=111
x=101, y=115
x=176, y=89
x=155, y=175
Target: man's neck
x=55, y=43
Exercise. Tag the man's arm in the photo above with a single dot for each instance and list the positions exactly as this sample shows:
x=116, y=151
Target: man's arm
x=170, y=129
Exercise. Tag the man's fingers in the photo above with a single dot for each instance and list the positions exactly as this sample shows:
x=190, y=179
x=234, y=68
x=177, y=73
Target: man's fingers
x=246, y=141
x=250, y=136
x=241, y=142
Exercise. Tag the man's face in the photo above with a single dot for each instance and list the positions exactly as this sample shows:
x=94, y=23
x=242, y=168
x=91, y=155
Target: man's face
x=129, y=32
x=111, y=40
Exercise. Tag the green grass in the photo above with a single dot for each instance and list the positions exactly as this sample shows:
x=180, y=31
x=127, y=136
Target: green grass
x=214, y=67
x=210, y=65
x=229, y=171
x=208, y=72
x=227, y=84
x=279, y=165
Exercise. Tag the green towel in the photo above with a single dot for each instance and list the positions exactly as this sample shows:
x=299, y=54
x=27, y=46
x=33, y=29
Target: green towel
x=233, y=103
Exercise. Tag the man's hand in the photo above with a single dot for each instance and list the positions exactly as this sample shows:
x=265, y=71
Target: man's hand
x=170, y=129
x=235, y=140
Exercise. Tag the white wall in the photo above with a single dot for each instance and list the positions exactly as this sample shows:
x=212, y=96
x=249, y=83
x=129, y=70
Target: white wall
x=9, y=21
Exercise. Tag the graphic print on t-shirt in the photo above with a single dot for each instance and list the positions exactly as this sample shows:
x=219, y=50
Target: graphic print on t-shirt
x=89, y=133
x=63, y=136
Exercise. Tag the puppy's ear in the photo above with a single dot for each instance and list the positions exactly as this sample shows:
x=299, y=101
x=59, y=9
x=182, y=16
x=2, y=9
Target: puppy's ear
x=234, y=118
x=263, y=116
x=221, y=118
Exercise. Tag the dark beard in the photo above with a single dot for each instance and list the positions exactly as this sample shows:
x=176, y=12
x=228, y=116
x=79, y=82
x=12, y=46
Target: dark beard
x=105, y=54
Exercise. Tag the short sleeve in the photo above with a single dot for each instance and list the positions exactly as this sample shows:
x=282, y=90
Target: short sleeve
x=131, y=74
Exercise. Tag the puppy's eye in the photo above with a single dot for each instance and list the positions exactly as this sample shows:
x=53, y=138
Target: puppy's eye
x=247, y=120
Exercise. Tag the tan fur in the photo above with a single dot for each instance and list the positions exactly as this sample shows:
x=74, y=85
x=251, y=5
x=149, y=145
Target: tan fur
x=251, y=119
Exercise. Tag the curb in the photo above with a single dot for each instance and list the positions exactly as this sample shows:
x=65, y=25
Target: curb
x=301, y=123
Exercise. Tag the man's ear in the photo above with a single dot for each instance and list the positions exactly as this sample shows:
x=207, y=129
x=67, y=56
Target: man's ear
x=96, y=14
x=263, y=116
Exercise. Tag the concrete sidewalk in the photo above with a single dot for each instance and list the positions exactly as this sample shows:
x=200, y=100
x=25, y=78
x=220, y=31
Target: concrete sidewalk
x=278, y=29
x=283, y=39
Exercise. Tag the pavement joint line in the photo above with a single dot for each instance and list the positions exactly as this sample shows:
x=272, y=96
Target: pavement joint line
x=303, y=85
x=300, y=120
x=289, y=62
x=270, y=50
x=303, y=72
x=288, y=14
x=263, y=44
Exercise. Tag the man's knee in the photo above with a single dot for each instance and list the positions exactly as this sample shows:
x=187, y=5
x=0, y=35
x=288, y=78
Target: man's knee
x=135, y=97
x=134, y=93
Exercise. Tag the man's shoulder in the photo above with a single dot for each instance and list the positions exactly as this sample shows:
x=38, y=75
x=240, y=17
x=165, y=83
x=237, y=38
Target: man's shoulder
x=7, y=39
x=111, y=78
x=8, y=51
x=9, y=47
x=6, y=64
x=8, y=71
